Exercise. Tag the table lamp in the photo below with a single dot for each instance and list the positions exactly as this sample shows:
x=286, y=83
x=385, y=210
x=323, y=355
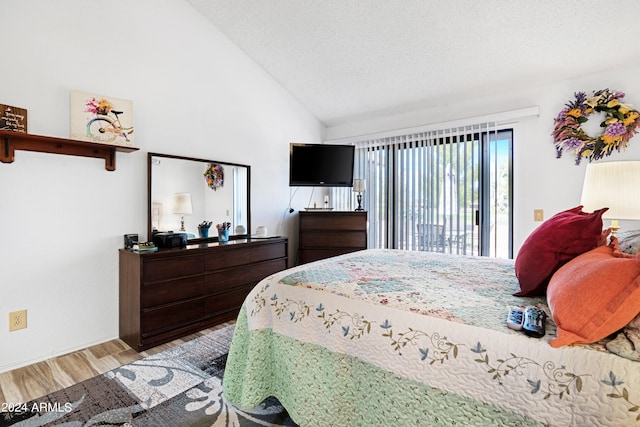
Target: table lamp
x=358, y=187
x=182, y=206
x=613, y=185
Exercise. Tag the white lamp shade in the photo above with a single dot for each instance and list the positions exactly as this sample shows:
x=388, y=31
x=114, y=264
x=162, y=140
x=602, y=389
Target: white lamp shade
x=182, y=203
x=358, y=185
x=614, y=185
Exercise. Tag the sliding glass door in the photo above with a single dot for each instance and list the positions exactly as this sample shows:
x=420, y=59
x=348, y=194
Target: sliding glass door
x=496, y=203
x=447, y=192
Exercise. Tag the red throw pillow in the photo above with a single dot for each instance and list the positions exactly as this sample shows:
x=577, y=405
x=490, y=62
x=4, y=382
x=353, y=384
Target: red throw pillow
x=594, y=295
x=556, y=241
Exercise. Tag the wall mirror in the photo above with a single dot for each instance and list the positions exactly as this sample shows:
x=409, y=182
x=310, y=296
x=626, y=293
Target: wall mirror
x=192, y=191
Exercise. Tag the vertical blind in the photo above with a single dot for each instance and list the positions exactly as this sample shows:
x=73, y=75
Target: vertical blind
x=423, y=190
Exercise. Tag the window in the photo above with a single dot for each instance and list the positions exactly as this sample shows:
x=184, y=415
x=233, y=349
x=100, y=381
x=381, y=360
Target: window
x=446, y=191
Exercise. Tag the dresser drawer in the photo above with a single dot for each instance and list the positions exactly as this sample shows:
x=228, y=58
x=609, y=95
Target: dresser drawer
x=267, y=252
x=227, y=301
x=333, y=221
x=172, y=316
x=228, y=258
x=171, y=268
x=156, y=293
x=242, y=256
x=343, y=239
x=224, y=280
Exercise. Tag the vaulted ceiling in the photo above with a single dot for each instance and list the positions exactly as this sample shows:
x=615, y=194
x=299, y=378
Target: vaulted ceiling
x=352, y=59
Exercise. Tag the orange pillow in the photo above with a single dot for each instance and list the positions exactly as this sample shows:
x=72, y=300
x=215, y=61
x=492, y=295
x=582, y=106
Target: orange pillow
x=594, y=295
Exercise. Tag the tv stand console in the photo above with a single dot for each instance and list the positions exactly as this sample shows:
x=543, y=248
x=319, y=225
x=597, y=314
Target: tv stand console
x=171, y=293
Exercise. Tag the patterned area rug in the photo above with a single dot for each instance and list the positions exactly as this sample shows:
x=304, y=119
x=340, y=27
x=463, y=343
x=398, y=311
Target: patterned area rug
x=177, y=387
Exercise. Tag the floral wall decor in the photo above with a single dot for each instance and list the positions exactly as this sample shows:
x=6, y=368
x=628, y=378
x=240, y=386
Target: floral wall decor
x=101, y=119
x=214, y=175
x=618, y=123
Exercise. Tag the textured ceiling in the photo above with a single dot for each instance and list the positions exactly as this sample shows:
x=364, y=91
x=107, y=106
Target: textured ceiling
x=347, y=60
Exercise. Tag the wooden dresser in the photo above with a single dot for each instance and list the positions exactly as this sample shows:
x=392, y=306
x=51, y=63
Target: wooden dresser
x=171, y=293
x=323, y=234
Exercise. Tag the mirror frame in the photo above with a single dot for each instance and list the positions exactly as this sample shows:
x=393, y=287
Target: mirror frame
x=196, y=240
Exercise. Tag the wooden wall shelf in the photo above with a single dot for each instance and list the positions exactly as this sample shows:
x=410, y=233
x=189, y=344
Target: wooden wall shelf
x=11, y=141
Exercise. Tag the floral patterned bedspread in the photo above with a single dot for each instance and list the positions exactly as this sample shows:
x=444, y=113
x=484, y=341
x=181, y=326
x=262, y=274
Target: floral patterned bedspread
x=439, y=321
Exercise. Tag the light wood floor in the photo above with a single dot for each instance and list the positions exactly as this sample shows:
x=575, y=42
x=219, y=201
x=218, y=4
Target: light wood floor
x=33, y=381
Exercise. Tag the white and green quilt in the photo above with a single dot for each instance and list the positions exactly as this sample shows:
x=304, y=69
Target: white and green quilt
x=388, y=337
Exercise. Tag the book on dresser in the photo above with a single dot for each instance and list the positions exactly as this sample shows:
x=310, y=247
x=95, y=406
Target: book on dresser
x=323, y=234
x=170, y=293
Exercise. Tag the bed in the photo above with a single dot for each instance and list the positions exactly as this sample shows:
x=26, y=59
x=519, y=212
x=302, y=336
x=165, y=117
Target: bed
x=390, y=337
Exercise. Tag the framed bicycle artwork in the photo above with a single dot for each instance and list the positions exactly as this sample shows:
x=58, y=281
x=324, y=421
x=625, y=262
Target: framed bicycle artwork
x=101, y=119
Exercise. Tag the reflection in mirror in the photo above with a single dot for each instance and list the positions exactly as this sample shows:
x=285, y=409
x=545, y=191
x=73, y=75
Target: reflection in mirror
x=187, y=192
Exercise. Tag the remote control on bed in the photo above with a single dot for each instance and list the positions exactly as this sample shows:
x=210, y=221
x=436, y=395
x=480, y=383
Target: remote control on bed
x=515, y=319
x=534, y=321
x=531, y=320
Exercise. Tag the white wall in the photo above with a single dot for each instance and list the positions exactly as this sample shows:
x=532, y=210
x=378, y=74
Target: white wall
x=541, y=181
x=62, y=218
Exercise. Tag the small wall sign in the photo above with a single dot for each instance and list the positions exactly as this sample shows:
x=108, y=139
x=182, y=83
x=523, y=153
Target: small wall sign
x=13, y=118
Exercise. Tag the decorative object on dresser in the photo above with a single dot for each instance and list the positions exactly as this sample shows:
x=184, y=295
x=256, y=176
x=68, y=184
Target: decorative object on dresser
x=203, y=228
x=171, y=293
x=130, y=240
x=223, y=232
x=262, y=231
x=358, y=187
x=323, y=234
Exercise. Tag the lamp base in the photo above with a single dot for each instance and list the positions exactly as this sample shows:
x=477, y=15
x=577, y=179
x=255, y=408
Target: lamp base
x=359, y=197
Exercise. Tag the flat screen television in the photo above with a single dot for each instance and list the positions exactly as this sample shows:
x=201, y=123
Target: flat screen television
x=320, y=165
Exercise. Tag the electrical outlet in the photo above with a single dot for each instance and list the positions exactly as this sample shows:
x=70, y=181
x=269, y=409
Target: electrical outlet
x=538, y=215
x=17, y=320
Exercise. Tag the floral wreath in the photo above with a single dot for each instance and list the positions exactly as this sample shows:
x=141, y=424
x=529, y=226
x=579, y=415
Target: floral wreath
x=214, y=175
x=620, y=124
